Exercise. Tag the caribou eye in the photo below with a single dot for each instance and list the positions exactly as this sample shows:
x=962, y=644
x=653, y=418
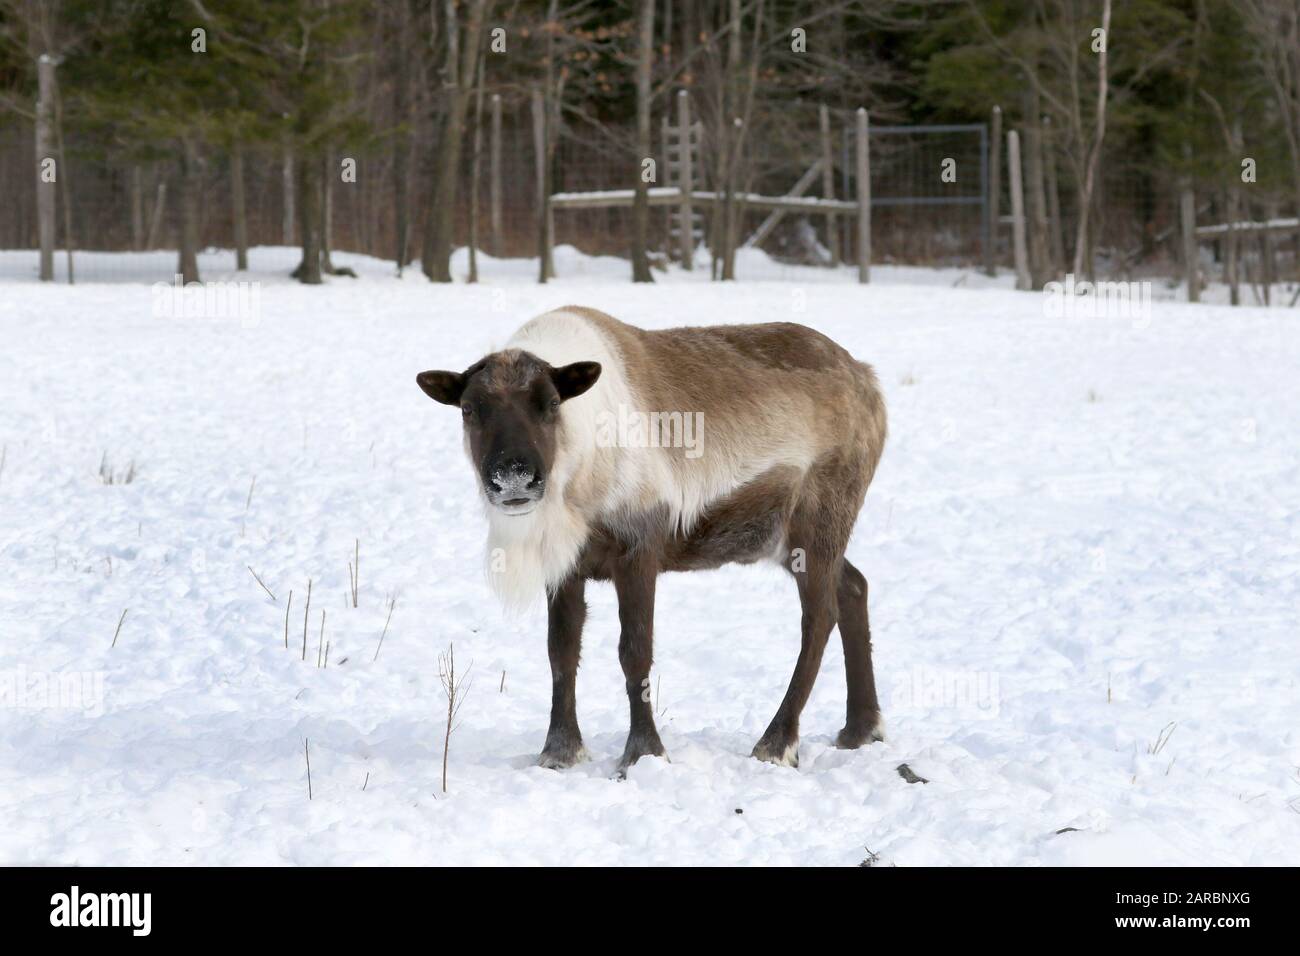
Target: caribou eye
x=555, y=403
x=466, y=410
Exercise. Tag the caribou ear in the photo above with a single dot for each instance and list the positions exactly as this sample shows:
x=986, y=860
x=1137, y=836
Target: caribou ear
x=572, y=380
x=445, y=387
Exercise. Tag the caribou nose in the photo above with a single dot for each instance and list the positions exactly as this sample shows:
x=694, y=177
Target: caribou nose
x=516, y=474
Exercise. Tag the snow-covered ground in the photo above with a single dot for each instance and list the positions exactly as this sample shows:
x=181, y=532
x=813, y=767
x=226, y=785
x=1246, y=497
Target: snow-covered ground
x=1083, y=546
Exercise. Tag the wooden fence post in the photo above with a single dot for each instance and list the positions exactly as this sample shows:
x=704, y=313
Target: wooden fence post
x=828, y=182
x=864, y=199
x=156, y=219
x=995, y=193
x=1017, y=210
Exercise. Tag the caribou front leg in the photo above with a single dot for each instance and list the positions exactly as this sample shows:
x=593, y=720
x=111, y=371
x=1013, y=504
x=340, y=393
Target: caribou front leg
x=634, y=583
x=566, y=613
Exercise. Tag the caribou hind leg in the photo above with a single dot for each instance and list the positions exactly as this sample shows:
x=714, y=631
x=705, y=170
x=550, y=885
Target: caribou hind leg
x=862, y=722
x=816, y=580
x=566, y=613
x=817, y=533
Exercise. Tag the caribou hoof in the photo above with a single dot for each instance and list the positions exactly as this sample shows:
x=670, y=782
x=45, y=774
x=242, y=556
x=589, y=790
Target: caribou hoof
x=780, y=752
x=853, y=736
x=562, y=754
x=638, y=747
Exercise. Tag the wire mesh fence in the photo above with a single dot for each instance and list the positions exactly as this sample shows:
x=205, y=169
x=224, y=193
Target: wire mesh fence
x=929, y=191
x=590, y=158
x=931, y=188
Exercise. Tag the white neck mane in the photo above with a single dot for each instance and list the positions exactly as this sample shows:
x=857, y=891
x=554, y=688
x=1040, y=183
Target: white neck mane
x=533, y=553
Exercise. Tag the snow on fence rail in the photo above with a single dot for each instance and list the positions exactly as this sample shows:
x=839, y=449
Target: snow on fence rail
x=684, y=196
x=1231, y=235
x=671, y=195
x=1224, y=228
x=682, y=200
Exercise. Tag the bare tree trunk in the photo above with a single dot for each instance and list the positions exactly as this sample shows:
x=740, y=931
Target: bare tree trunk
x=1083, y=240
x=327, y=212
x=1268, y=249
x=309, y=218
x=288, y=188
x=731, y=122
x=1232, y=248
x=402, y=100
x=722, y=145
x=462, y=63
x=494, y=197
x=65, y=183
x=1234, y=213
x=188, y=265
x=46, y=181
x=641, y=203
x=730, y=212
x=742, y=101
x=1275, y=27
x=477, y=159
x=1187, y=217
x=137, y=207
x=238, y=200
x=686, y=167
x=542, y=181
x=1056, y=239
x=435, y=255
x=550, y=106
x=828, y=181
x=1036, y=200
x=401, y=199
x=715, y=207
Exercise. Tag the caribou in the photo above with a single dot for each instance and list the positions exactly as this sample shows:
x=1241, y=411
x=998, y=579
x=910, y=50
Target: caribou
x=606, y=452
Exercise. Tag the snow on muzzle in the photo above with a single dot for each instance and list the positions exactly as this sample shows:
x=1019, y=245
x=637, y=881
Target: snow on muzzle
x=514, y=486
